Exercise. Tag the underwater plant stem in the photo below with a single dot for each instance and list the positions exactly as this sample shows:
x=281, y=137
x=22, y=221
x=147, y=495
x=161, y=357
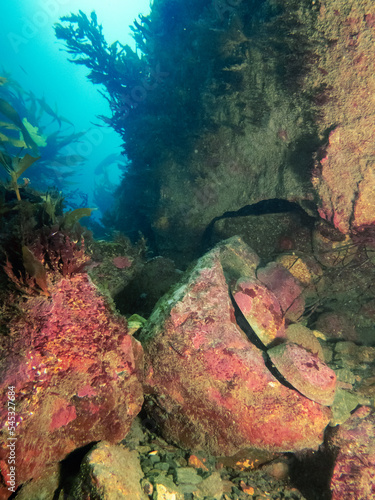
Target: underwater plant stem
x=15, y=186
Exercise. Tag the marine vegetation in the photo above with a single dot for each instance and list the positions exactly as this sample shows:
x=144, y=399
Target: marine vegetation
x=38, y=241
x=15, y=167
x=117, y=67
x=34, y=128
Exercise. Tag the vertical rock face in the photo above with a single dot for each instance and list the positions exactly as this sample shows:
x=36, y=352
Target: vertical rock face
x=208, y=386
x=239, y=119
x=345, y=173
x=75, y=375
x=225, y=126
x=240, y=101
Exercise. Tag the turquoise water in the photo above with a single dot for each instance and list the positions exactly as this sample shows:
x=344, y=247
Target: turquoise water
x=33, y=60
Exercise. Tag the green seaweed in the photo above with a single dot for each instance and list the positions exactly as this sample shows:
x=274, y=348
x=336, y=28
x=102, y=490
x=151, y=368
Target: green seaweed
x=71, y=218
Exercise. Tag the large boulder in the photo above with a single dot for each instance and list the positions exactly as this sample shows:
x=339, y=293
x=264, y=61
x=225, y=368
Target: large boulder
x=70, y=374
x=208, y=386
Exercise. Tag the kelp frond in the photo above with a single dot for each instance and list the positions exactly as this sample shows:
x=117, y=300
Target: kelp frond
x=29, y=122
x=7, y=110
x=15, y=167
x=115, y=66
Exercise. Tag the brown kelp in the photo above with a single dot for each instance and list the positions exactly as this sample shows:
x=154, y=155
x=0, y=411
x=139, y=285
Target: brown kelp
x=116, y=67
x=34, y=127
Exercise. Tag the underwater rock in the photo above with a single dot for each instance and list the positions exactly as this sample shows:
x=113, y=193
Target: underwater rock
x=332, y=248
x=207, y=386
x=344, y=404
x=344, y=174
x=304, y=337
x=305, y=371
x=306, y=270
x=354, y=470
x=110, y=472
x=261, y=309
x=337, y=325
x=44, y=487
x=267, y=234
x=122, y=262
x=75, y=373
x=286, y=288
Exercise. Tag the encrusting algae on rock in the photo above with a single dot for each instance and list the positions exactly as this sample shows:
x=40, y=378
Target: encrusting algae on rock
x=206, y=385
x=305, y=371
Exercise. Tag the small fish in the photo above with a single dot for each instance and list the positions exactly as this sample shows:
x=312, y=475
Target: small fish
x=23, y=69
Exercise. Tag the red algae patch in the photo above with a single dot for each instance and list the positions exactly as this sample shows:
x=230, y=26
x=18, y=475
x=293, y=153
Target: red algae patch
x=76, y=374
x=305, y=371
x=261, y=309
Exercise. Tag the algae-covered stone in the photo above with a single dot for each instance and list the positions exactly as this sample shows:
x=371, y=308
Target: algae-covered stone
x=187, y=475
x=353, y=475
x=343, y=404
x=304, y=337
x=261, y=309
x=286, y=288
x=211, y=487
x=165, y=489
x=306, y=270
x=111, y=473
x=207, y=385
x=305, y=371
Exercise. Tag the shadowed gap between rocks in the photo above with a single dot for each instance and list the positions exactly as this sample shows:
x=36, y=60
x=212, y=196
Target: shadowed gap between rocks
x=70, y=468
x=315, y=468
x=270, y=206
x=254, y=339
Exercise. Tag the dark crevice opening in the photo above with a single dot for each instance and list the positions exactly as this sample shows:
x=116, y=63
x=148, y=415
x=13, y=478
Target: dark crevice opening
x=70, y=469
x=270, y=206
x=254, y=339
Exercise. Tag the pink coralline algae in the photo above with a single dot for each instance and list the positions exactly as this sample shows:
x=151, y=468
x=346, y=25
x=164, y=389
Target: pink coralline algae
x=122, y=262
x=353, y=475
x=206, y=384
x=76, y=373
x=261, y=309
x=62, y=414
x=286, y=288
x=344, y=177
